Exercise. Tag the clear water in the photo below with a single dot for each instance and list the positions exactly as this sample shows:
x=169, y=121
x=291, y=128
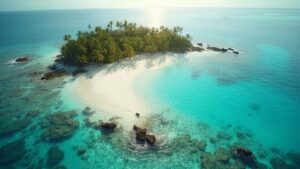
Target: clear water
x=255, y=93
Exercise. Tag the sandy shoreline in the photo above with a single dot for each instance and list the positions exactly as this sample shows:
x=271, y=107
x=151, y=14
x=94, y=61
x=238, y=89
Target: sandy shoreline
x=110, y=91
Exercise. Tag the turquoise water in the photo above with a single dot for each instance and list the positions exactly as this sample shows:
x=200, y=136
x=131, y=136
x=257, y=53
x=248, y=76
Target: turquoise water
x=204, y=95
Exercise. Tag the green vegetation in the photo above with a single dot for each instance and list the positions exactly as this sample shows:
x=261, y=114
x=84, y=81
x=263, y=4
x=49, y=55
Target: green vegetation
x=122, y=40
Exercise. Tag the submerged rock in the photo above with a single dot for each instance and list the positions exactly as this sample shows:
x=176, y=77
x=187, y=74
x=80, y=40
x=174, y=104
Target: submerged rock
x=15, y=126
x=295, y=157
x=58, y=133
x=255, y=107
x=89, y=123
x=224, y=136
x=186, y=144
x=59, y=126
x=12, y=152
x=243, y=152
x=199, y=145
x=222, y=155
x=55, y=155
x=278, y=163
x=81, y=151
x=208, y=161
x=33, y=113
x=240, y=135
x=54, y=74
x=246, y=156
x=61, y=167
x=88, y=111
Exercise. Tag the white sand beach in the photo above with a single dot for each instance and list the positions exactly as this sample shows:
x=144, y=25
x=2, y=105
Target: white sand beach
x=109, y=89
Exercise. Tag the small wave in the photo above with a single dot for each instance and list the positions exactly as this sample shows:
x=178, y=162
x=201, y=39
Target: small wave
x=12, y=62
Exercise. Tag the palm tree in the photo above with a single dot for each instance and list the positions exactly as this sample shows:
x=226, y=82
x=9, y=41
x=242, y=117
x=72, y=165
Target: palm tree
x=67, y=38
x=89, y=26
x=110, y=25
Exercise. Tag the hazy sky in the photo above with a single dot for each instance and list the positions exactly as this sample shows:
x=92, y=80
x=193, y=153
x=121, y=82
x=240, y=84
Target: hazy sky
x=12, y=5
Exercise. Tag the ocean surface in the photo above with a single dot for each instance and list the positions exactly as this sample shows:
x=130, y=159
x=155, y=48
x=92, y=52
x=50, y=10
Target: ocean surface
x=251, y=99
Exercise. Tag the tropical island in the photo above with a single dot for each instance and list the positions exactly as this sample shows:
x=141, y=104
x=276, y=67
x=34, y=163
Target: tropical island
x=121, y=40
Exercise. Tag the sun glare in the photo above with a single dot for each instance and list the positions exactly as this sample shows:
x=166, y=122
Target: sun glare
x=156, y=16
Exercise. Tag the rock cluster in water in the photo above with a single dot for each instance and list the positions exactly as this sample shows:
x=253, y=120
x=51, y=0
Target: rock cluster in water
x=105, y=127
x=15, y=126
x=202, y=47
x=54, y=74
x=142, y=136
x=221, y=158
x=12, y=152
x=55, y=156
x=59, y=126
x=187, y=144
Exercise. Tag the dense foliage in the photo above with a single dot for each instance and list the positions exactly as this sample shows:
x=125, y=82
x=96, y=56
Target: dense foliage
x=122, y=40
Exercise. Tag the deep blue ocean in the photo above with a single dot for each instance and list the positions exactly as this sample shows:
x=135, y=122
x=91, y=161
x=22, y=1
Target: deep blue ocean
x=251, y=99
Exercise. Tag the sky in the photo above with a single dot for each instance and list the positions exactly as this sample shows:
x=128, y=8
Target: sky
x=16, y=5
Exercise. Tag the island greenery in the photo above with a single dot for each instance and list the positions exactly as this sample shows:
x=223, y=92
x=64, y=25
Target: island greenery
x=121, y=40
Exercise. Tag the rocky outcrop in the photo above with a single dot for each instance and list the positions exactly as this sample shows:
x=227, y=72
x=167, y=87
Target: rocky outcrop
x=15, y=126
x=59, y=126
x=55, y=156
x=108, y=125
x=137, y=115
x=216, y=49
x=140, y=133
x=196, y=48
x=142, y=136
x=202, y=47
x=105, y=127
x=22, y=59
x=59, y=58
x=151, y=139
x=54, y=74
x=12, y=152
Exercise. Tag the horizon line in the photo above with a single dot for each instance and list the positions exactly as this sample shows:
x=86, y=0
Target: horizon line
x=145, y=8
